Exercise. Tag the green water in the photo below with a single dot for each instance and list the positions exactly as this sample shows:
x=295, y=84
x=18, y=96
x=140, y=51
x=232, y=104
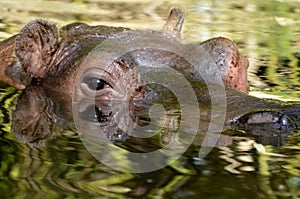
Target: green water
x=267, y=33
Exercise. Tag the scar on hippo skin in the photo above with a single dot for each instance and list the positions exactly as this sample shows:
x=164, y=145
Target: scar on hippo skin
x=125, y=63
x=35, y=46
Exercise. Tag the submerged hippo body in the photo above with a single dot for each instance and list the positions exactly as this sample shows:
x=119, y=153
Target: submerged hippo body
x=39, y=54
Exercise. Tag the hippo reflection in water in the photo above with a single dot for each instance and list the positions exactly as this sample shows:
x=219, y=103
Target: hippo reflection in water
x=46, y=63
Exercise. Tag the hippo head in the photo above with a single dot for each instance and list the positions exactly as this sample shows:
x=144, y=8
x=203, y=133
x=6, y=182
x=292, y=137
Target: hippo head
x=54, y=58
x=71, y=60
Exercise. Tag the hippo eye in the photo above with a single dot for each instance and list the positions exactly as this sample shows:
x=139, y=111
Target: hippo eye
x=95, y=83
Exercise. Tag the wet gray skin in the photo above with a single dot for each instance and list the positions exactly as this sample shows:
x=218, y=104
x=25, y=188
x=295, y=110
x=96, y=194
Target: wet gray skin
x=39, y=54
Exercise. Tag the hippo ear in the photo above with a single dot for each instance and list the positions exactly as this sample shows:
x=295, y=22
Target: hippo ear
x=35, y=46
x=174, y=23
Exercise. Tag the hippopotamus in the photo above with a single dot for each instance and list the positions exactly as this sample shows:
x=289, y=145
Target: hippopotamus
x=41, y=58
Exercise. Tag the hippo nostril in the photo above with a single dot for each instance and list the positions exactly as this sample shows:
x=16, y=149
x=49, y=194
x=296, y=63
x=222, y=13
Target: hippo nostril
x=267, y=122
x=284, y=120
x=286, y=124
